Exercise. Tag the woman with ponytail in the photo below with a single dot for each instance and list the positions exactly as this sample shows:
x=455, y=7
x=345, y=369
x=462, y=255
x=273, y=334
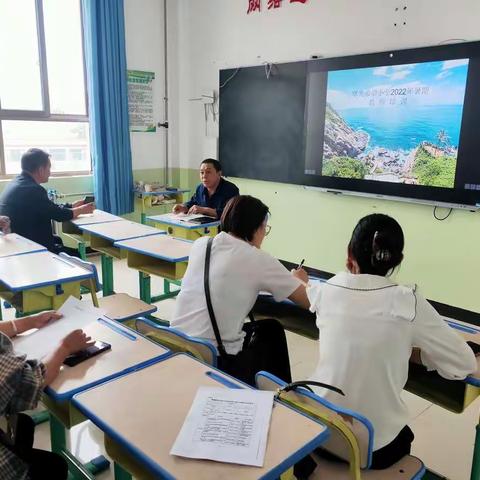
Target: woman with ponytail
x=368, y=327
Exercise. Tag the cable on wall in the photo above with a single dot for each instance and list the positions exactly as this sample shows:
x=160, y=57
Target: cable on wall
x=230, y=77
x=441, y=219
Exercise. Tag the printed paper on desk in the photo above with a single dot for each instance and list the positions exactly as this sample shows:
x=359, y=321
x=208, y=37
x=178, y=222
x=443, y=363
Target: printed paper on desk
x=38, y=343
x=226, y=425
x=188, y=217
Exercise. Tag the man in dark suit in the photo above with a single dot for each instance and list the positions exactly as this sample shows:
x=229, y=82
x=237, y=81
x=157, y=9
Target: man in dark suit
x=27, y=205
x=212, y=194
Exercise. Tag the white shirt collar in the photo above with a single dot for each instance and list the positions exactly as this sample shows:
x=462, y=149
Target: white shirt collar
x=360, y=281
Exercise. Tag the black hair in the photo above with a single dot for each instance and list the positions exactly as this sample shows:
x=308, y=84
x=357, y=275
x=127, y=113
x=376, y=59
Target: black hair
x=377, y=244
x=216, y=164
x=33, y=159
x=243, y=215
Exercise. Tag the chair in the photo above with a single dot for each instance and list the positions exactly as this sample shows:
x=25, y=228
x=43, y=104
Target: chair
x=175, y=340
x=119, y=306
x=351, y=438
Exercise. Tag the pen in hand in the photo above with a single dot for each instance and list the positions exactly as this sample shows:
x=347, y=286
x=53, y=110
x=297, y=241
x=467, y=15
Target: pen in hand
x=301, y=264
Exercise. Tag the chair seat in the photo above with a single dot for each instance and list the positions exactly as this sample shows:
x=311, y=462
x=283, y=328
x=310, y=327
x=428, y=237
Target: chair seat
x=408, y=468
x=121, y=307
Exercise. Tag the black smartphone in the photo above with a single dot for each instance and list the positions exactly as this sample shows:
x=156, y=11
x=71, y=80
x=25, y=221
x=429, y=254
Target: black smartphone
x=202, y=220
x=475, y=347
x=95, y=349
x=89, y=199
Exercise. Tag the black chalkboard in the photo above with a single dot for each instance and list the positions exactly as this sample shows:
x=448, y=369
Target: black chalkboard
x=262, y=119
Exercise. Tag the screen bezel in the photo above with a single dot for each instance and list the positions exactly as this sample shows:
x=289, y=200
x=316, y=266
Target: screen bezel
x=434, y=195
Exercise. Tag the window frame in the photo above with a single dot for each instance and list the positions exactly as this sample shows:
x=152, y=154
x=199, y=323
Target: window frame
x=45, y=114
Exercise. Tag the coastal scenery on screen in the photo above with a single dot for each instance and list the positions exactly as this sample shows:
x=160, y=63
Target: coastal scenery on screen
x=395, y=123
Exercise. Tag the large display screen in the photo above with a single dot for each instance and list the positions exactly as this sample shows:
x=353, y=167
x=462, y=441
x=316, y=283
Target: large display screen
x=395, y=124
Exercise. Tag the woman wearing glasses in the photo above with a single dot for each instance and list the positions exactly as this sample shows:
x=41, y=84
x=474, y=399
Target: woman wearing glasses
x=238, y=271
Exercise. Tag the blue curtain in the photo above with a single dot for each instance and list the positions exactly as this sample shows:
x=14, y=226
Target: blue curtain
x=104, y=38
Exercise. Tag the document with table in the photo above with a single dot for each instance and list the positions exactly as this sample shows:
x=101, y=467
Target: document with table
x=190, y=217
x=226, y=425
x=38, y=343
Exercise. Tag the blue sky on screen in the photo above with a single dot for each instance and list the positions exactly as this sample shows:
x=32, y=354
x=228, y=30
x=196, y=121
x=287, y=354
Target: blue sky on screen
x=442, y=83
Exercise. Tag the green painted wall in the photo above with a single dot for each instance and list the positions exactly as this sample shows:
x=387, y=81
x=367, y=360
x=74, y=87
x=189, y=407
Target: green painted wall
x=443, y=258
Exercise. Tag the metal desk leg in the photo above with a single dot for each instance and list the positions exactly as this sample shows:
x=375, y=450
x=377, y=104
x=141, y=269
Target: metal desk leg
x=107, y=275
x=145, y=290
x=120, y=473
x=167, y=293
x=58, y=435
x=58, y=438
x=82, y=250
x=475, y=473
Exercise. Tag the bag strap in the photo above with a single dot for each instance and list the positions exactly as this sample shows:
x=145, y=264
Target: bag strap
x=306, y=384
x=206, y=276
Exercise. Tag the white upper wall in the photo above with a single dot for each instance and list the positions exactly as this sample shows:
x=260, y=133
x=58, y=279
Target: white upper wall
x=216, y=34
x=145, y=51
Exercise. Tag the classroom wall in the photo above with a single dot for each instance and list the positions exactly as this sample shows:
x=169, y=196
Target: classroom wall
x=442, y=257
x=145, y=51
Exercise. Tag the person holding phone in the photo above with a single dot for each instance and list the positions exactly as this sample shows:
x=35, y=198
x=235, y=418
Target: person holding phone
x=30, y=210
x=21, y=384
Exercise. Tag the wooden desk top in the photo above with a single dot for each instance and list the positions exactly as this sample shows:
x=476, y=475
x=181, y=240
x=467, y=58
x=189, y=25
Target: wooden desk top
x=98, y=216
x=159, y=246
x=39, y=269
x=129, y=351
x=148, y=422
x=13, y=244
x=171, y=219
x=121, y=230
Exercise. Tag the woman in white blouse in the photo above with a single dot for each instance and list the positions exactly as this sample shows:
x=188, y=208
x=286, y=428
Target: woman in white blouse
x=368, y=328
x=239, y=271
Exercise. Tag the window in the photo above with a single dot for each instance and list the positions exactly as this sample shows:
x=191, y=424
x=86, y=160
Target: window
x=42, y=84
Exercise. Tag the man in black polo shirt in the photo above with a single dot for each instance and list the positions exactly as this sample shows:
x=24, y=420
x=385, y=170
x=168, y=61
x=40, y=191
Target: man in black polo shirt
x=27, y=205
x=212, y=194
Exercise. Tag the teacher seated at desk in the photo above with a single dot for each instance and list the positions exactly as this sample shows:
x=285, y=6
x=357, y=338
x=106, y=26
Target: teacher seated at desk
x=212, y=194
x=30, y=210
x=238, y=271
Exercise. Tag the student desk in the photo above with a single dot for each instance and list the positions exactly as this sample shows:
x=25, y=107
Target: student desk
x=181, y=229
x=159, y=255
x=71, y=228
x=39, y=281
x=140, y=430
x=147, y=199
x=130, y=351
x=102, y=237
x=452, y=395
x=13, y=244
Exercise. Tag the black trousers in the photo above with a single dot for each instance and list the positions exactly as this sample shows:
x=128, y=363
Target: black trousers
x=400, y=446
x=264, y=348
x=60, y=247
x=382, y=458
x=41, y=464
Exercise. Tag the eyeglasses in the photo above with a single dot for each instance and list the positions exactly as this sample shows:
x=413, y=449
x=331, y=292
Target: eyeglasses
x=268, y=228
